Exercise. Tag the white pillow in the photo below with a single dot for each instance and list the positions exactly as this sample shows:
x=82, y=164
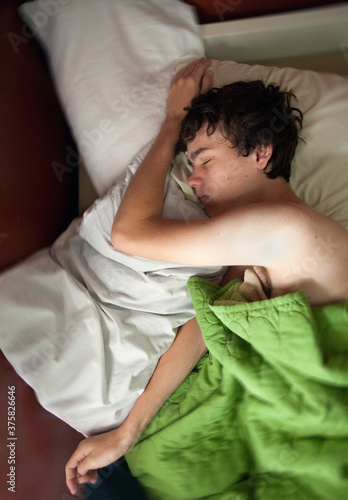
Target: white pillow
x=112, y=62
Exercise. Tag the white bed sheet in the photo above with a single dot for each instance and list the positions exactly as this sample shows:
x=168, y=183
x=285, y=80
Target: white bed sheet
x=85, y=325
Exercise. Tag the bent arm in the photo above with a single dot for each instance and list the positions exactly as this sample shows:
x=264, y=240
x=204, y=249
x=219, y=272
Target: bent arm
x=173, y=367
x=144, y=196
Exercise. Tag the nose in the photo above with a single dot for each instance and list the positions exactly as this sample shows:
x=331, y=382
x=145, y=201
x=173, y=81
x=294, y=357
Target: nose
x=194, y=180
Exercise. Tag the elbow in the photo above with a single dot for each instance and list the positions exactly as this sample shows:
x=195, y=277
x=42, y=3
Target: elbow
x=121, y=238
x=132, y=237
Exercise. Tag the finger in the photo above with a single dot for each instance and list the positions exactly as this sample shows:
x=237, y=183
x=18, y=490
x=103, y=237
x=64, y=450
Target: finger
x=70, y=475
x=207, y=81
x=204, y=63
x=190, y=68
x=183, y=72
x=90, y=477
x=199, y=66
x=71, y=472
x=85, y=466
x=71, y=482
x=201, y=69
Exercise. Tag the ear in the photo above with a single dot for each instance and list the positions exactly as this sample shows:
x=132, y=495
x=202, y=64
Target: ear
x=263, y=155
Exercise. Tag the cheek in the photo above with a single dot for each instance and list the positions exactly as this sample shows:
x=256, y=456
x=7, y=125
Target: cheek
x=221, y=180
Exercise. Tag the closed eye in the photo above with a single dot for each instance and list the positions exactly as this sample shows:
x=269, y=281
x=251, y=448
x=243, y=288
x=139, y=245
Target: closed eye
x=192, y=165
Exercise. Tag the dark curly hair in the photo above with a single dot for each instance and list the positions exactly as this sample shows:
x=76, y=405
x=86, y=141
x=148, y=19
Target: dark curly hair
x=250, y=115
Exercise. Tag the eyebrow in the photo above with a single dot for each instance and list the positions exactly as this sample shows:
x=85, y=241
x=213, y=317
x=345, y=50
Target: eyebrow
x=198, y=152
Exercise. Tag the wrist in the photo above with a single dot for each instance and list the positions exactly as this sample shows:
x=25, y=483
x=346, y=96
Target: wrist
x=131, y=431
x=123, y=438
x=172, y=125
x=141, y=414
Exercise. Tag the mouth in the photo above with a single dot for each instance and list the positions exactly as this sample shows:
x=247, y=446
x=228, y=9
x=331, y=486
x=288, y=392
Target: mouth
x=203, y=199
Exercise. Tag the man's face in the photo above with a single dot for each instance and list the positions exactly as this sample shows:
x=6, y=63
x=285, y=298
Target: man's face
x=220, y=176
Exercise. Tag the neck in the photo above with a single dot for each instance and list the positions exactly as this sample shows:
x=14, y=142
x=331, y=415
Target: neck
x=268, y=191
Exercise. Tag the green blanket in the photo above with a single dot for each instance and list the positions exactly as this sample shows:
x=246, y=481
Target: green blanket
x=265, y=413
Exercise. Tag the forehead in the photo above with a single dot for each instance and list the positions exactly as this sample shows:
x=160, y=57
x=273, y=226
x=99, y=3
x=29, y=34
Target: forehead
x=203, y=142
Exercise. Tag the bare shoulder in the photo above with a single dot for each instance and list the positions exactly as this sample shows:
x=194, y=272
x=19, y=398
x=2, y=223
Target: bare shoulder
x=317, y=230
x=319, y=256
x=299, y=219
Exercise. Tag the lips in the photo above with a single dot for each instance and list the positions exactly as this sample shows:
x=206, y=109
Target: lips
x=203, y=199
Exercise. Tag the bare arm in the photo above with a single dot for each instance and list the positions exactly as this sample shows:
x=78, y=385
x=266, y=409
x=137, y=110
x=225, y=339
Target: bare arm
x=101, y=450
x=144, y=196
x=143, y=203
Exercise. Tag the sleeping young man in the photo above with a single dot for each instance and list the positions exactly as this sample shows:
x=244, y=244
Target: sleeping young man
x=241, y=152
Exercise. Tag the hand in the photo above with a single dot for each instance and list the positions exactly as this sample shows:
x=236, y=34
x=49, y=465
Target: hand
x=96, y=452
x=186, y=85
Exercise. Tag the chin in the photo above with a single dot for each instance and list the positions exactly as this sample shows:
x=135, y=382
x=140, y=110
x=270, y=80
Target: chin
x=217, y=208
x=212, y=210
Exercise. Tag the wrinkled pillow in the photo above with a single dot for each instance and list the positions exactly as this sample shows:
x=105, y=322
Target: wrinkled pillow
x=112, y=63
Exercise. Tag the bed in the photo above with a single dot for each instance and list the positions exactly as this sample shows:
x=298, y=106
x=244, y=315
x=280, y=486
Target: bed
x=125, y=118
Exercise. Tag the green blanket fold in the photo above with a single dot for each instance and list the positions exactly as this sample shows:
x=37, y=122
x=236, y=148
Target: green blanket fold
x=265, y=413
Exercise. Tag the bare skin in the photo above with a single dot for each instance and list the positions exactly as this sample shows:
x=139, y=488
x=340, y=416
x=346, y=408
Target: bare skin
x=255, y=221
